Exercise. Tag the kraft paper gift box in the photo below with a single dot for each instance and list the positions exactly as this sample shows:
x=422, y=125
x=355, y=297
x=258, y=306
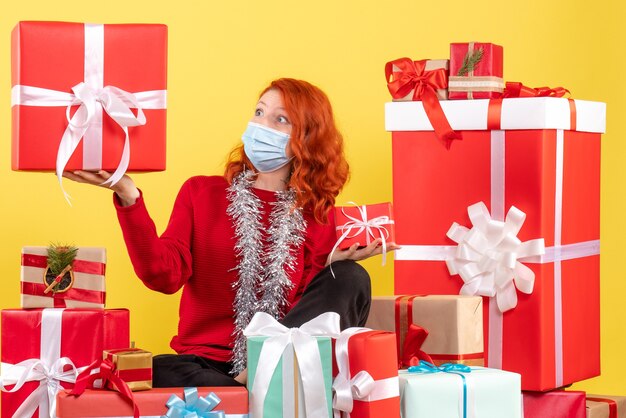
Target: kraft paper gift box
x=87, y=289
x=480, y=393
x=363, y=224
x=133, y=366
x=554, y=404
x=366, y=385
x=605, y=406
x=542, y=156
x=475, y=71
x=453, y=324
x=436, y=70
x=122, y=67
x=290, y=370
x=233, y=401
x=54, y=340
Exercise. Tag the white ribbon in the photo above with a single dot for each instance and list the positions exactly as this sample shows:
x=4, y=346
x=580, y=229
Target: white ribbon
x=47, y=370
x=92, y=97
x=306, y=350
x=487, y=256
x=356, y=226
x=362, y=386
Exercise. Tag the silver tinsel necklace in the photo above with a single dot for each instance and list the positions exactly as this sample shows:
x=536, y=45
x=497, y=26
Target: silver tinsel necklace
x=263, y=270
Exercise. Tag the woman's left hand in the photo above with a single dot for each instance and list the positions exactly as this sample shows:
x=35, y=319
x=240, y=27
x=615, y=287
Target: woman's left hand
x=355, y=253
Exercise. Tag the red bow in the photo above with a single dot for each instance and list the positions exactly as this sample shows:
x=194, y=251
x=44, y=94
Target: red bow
x=516, y=89
x=412, y=351
x=107, y=373
x=410, y=75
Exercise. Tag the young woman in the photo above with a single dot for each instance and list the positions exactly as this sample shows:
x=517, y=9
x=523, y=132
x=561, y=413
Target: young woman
x=257, y=238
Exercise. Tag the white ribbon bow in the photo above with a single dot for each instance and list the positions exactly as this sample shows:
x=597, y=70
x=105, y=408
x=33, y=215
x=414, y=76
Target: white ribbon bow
x=49, y=377
x=362, y=386
x=356, y=226
x=306, y=350
x=488, y=256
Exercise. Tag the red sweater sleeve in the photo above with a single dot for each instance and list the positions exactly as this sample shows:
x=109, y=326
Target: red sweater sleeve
x=321, y=240
x=163, y=263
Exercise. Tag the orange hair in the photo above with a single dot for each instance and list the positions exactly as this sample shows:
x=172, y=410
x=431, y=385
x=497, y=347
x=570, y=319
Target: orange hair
x=319, y=167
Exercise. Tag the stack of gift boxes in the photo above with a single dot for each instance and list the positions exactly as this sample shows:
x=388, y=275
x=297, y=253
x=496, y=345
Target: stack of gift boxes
x=496, y=200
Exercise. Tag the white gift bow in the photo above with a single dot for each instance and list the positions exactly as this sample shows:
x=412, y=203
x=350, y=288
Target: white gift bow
x=360, y=387
x=49, y=377
x=363, y=224
x=306, y=350
x=487, y=256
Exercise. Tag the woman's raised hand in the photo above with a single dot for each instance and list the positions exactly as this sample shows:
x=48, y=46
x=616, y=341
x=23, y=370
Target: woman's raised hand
x=125, y=188
x=355, y=253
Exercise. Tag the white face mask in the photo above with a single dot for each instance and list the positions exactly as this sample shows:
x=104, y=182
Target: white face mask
x=265, y=147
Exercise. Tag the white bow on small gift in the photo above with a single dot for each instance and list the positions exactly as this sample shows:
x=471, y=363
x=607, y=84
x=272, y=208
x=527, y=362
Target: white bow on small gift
x=488, y=256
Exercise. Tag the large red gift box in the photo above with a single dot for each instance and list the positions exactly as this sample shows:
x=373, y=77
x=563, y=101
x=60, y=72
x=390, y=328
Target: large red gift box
x=476, y=71
x=121, y=67
x=366, y=385
x=151, y=403
x=554, y=404
x=363, y=224
x=532, y=160
x=50, y=339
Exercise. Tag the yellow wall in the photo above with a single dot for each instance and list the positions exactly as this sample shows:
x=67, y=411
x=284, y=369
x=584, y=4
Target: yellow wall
x=222, y=53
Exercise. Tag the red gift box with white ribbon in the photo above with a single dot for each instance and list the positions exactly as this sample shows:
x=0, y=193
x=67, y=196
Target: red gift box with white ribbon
x=88, y=96
x=534, y=163
x=44, y=350
x=86, y=290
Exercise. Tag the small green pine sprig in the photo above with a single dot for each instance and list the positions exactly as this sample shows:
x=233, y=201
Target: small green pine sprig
x=59, y=256
x=470, y=62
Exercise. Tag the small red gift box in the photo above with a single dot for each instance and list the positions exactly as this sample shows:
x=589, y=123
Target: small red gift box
x=97, y=71
x=364, y=224
x=86, y=290
x=554, y=404
x=475, y=71
x=542, y=156
x=366, y=385
x=133, y=366
x=151, y=403
x=56, y=340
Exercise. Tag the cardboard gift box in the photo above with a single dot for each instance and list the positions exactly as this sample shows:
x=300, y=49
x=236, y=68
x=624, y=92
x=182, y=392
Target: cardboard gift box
x=363, y=224
x=475, y=71
x=605, y=406
x=233, y=401
x=290, y=370
x=113, y=77
x=409, y=73
x=542, y=156
x=87, y=288
x=133, y=366
x=366, y=385
x=453, y=325
x=479, y=392
x=62, y=341
x=554, y=404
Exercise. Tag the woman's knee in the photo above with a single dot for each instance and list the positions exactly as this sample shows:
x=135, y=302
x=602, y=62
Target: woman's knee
x=351, y=277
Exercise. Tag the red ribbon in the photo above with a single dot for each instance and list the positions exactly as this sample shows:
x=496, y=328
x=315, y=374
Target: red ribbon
x=84, y=295
x=412, y=352
x=612, y=405
x=411, y=75
x=107, y=373
x=79, y=266
x=515, y=90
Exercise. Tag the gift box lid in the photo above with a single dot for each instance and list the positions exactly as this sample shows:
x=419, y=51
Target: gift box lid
x=517, y=114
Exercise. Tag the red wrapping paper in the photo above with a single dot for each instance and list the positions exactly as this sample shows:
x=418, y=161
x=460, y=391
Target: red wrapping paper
x=554, y=404
x=51, y=55
x=102, y=403
x=433, y=188
x=85, y=334
x=374, y=352
x=488, y=70
x=357, y=233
